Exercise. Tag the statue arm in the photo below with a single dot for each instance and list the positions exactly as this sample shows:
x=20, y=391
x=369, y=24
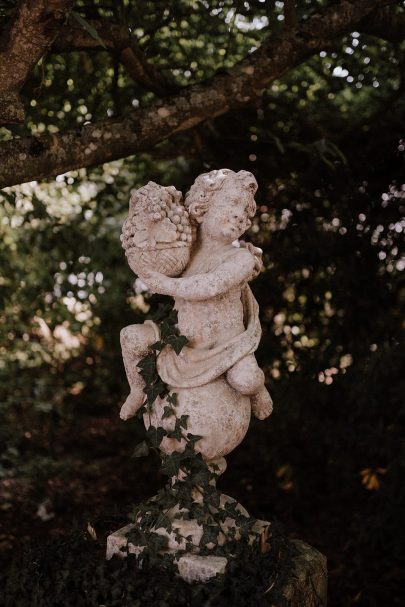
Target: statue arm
x=205, y=286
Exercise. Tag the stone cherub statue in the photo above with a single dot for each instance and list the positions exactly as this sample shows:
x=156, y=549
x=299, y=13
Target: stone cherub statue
x=216, y=308
x=191, y=252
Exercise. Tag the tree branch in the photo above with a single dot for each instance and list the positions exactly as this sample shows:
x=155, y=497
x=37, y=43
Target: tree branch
x=32, y=158
x=117, y=38
x=31, y=30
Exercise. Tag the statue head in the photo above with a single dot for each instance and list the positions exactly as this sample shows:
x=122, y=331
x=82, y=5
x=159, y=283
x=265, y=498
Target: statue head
x=204, y=188
x=222, y=201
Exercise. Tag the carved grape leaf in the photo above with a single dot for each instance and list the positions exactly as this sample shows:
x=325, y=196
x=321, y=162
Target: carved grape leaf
x=156, y=232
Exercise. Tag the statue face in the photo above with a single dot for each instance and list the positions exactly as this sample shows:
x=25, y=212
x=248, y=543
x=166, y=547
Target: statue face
x=227, y=217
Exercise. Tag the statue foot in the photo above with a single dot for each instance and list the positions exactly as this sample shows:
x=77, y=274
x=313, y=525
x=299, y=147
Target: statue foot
x=133, y=402
x=262, y=403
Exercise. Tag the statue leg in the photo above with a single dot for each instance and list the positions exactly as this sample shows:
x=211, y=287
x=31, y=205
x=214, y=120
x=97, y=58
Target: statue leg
x=135, y=342
x=247, y=378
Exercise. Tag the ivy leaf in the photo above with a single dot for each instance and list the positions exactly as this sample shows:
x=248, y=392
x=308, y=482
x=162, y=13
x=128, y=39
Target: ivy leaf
x=177, y=342
x=201, y=477
x=141, y=450
x=210, y=534
x=176, y=433
x=183, y=421
x=156, y=542
x=163, y=312
x=154, y=390
x=171, y=464
x=157, y=346
x=192, y=439
x=155, y=435
x=172, y=317
x=166, y=330
x=88, y=27
x=212, y=496
x=140, y=413
x=167, y=412
x=172, y=399
x=163, y=521
x=147, y=365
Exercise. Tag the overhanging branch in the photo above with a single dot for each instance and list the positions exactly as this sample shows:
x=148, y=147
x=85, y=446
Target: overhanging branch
x=32, y=158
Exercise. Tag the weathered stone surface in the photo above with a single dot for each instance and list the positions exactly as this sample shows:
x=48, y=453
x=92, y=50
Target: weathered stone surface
x=194, y=568
x=118, y=545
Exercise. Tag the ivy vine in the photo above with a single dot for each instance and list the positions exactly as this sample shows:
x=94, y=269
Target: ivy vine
x=191, y=488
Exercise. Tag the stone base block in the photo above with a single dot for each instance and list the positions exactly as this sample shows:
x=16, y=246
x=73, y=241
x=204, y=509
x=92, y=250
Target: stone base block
x=117, y=543
x=192, y=567
x=196, y=568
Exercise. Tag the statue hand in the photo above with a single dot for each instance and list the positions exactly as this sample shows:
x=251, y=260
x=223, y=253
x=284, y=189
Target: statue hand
x=257, y=254
x=155, y=281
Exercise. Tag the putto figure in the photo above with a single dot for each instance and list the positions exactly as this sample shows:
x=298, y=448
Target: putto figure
x=190, y=250
x=216, y=308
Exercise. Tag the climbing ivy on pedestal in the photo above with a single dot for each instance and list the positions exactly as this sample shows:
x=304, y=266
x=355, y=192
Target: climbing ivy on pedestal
x=191, y=488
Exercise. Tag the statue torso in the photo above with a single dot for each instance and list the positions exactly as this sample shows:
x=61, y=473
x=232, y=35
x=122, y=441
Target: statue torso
x=209, y=322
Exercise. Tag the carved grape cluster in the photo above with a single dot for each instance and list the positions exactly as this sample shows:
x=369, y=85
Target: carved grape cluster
x=157, y=217
x=177, y=215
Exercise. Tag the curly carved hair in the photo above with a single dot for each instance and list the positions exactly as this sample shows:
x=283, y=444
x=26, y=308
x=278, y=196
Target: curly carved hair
x=199, y=196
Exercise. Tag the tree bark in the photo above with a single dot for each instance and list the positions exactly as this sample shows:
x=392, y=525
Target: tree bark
x=33, y=158
x=31, y=31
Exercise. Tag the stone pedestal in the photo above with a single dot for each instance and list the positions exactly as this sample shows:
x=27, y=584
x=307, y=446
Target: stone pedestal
x=300, y=574
x=201, y=380
x=192, y=566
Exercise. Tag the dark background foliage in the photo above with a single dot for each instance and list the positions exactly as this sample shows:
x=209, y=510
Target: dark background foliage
x=326, y=146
